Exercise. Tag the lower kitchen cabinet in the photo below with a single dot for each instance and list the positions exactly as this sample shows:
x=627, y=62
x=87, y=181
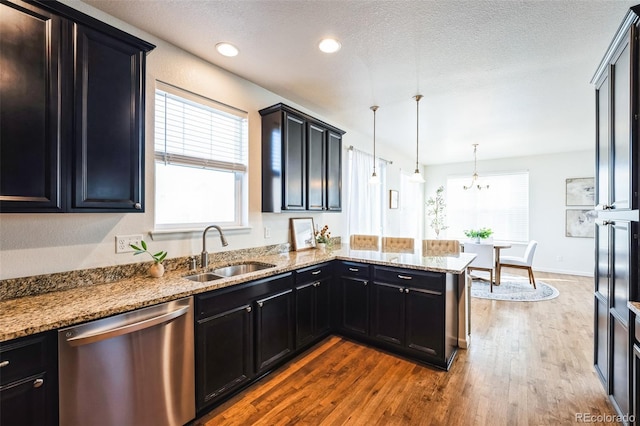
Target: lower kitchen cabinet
x=352, y=299
x=409, y=312
x=224, y=345
x=312, y=300
x=274, y=329
x=28, y=385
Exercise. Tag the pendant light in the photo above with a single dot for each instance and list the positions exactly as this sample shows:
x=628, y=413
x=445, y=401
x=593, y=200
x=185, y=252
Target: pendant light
x=474, y=177
x=417, y=177
x=374, y=179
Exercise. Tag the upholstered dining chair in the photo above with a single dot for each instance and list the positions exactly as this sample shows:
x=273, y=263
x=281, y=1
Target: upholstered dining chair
x=397, y=244
x=484, y=260
x=440, y=247
x=524, y=262
x=363, y=242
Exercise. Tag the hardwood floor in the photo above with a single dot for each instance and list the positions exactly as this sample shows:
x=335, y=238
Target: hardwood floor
x=528, y=364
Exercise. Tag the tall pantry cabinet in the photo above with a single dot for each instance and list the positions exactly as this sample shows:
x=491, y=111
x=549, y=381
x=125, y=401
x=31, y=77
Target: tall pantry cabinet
x=616, y=233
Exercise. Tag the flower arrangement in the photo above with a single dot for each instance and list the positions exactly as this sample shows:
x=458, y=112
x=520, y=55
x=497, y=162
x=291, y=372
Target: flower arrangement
x=481, y=233
x=323, y=236
x=157, y=258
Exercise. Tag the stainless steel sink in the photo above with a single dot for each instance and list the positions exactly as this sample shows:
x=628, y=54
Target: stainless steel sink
x=204, y=277
x=241, y=268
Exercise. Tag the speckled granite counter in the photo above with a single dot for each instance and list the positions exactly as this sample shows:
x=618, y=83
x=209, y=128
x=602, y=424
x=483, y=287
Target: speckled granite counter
x=33, y=314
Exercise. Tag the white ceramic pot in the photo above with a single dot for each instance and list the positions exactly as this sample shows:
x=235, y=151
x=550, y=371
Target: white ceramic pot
x=156, y=270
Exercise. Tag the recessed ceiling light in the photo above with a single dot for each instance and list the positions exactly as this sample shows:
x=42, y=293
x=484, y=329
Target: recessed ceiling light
x=329, y=45
x=227, y=49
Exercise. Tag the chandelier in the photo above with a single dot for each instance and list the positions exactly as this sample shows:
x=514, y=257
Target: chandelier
x=474, y=177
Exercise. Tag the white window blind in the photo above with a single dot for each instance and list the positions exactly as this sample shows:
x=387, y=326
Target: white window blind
x=504, y=207
x=201, y=160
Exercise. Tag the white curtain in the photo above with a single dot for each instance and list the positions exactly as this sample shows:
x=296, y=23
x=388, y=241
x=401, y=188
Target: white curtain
x=411, y=207
x=365, y=203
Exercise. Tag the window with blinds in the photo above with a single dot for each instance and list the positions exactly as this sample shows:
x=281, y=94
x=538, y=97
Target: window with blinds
x=504, y=207
x=201, y=160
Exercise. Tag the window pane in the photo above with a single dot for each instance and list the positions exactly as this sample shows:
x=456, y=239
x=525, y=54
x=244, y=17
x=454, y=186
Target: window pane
x=187, y=195
x=504, y=207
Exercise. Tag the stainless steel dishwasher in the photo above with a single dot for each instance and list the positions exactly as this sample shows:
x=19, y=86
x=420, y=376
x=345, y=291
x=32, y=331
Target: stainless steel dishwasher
x=135, y=368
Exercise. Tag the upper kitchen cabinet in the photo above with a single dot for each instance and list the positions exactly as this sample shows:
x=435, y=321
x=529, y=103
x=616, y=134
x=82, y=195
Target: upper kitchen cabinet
x=301, y=162
x=72, y=116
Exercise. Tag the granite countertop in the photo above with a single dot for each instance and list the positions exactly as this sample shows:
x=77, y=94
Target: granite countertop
x=634, y=307
x=33, y=314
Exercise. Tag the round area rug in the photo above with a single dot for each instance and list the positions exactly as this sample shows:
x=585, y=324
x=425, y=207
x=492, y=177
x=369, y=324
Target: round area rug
x=514, y=289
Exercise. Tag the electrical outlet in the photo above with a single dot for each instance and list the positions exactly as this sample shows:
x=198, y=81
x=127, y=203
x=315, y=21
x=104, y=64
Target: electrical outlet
x=267, y=232
x=123, y=242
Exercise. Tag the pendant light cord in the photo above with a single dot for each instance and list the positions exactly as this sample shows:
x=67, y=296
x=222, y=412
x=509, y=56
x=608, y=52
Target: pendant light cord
x=417, y=97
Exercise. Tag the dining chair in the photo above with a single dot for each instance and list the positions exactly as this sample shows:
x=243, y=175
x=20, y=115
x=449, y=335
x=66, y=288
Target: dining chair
x=363, y=242
x=524, y=262
x=440, y=247
x=397, y=244
x=484, y=260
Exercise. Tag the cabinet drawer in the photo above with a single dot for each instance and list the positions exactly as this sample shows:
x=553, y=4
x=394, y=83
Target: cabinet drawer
x=354, y=270
x=21, y=358
x=313, y=273
x=410, y=278
x=222, y=300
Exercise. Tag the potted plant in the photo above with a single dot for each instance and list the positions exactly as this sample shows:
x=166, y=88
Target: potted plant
x=435, y=210
x=157, y=269
x=323, y=237
x=478, y=234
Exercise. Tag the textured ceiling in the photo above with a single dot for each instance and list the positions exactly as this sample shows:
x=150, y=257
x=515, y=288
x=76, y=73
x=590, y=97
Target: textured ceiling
x=512, y=76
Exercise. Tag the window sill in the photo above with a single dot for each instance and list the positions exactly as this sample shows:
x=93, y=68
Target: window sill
x=159, y=234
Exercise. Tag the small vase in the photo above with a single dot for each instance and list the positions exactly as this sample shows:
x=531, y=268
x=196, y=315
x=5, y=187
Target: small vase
x=156, y=270
x=322, y=246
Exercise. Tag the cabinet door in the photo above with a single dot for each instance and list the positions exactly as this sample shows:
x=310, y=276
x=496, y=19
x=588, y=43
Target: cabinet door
x=274, y=329
x=323, y=306
x=425, y=316
x=295, y=160
x=602, y=142
x=224, y=354
x=602, y=260
x=31, y=131
x=387, y=319
x=334, y=171
x=619, y=386
x=316, y=161
x=620, y=268
x=601, y=341
x=108, y=136
x=354, y=313
x=636, y=383
x=305, y=314
x=24, y=403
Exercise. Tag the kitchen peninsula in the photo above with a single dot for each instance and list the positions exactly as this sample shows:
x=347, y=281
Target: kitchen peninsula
x=405, y=303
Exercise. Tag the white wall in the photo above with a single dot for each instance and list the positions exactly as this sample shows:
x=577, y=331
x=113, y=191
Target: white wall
x=547, y=174
x=34, y=244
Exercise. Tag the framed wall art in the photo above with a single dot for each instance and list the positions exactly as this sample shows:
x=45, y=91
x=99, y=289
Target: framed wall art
x=394, y=198
x=580, y=192
x=580, y=223
x=302, y=233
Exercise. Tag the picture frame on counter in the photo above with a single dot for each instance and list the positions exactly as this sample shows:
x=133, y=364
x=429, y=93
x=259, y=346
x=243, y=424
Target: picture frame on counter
x=302, y=233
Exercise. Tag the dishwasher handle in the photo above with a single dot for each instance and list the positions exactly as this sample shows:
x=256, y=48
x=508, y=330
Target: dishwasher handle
x=85, y=339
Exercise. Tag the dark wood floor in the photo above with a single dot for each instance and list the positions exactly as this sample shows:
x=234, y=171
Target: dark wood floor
x=528, y=364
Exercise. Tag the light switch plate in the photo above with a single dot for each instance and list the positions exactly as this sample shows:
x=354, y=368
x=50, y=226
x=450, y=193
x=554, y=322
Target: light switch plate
x=123, y=241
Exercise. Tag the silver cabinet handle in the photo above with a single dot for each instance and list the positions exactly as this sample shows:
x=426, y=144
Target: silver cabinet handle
x=38, y=382
x=406, y=290
x=316, y=284
x=4, y=364
x=607, y=222
x=405, y=277
x=354, y=269
x=137, y=206
x=401, y=289
x=248, y=308
x=365, y=283
x=260, y=304
x=316, y=272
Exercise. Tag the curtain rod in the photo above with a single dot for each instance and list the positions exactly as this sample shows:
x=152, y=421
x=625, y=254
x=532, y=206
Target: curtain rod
x=351, y=148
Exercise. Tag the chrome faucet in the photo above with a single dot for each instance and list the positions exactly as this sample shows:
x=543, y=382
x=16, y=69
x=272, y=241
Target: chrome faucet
x=204, y=256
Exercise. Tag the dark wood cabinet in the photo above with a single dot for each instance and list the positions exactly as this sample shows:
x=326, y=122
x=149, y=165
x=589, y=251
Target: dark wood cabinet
x=616, y=256
x=409, y=311
x=72, y=121
x=224, y=348
x=274, y=329
x=301, y=162
x=312, y=301
x=28, y=385
x=352, y=298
